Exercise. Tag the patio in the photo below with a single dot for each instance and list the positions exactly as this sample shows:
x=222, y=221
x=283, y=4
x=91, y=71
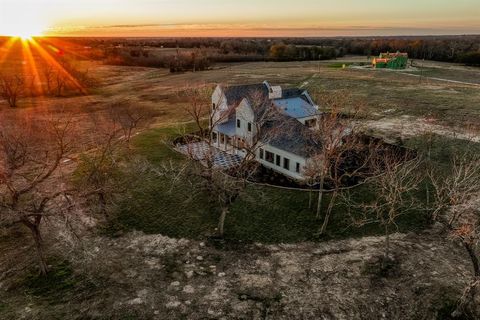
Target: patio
x=200, y=150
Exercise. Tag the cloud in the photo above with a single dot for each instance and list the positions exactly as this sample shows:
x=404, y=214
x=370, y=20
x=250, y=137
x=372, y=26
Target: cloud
x=250, y=30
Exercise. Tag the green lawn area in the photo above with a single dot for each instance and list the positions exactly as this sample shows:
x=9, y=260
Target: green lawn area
x=442, y=150
x=265, y=214
x=339, y=65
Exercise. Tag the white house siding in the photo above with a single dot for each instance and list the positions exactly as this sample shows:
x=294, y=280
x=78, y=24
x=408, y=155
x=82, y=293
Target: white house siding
x=304, y=120
x=221, y=107
x=294, y=159
x=244, y=113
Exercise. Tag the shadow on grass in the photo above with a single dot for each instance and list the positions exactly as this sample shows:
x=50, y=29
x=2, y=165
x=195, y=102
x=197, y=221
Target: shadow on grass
x=59, y=286
x=266, y=215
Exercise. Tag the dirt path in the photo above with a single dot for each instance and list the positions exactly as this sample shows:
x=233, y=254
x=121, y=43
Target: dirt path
x=441, y=79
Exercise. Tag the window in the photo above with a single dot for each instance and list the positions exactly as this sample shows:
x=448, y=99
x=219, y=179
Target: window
x=249, y=127
x=278, y=160
x=239, y=123
x=214, y=107
x=297, y=168
x=261, y=153
x=286, y=163
x=311, y=123
x=222, y=138
x=269, y=156
x=214, y=137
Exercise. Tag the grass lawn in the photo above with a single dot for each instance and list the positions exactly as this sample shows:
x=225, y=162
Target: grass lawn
x=395, y=94
x=339, y=65
x=265, y=214
x=469, y=76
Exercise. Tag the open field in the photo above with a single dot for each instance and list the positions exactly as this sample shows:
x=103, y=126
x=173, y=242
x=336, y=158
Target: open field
x=397, y=105
x=156, y=260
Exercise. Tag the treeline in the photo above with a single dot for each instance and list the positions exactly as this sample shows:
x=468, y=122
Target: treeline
x=470, y=58
x=198, y=59
x=463, y=49
x=283, y=52
x=179, y=62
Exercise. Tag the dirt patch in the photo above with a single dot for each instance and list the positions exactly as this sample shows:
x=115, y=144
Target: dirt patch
x=408, y=126
x=156, y=277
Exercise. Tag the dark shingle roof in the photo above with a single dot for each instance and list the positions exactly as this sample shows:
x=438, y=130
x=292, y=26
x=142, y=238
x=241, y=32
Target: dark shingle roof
x=290, y=135
x=282, y=131
x=235, y=94
x=292, y=93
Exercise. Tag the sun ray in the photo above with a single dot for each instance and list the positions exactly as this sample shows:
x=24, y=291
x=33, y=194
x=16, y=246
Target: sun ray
x=30, y=66
x=6, y=49
x=53, y=62
x=56, y=45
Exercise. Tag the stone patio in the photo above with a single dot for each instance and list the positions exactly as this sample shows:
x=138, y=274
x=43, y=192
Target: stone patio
x=200, y=150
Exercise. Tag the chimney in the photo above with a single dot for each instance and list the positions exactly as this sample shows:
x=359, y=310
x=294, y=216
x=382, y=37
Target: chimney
x=273, y=92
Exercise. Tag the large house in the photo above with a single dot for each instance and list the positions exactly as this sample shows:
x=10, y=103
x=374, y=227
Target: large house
x=273, y=122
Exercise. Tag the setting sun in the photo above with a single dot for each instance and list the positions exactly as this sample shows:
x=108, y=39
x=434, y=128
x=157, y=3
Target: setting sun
x=20, y=20
x=25, y=30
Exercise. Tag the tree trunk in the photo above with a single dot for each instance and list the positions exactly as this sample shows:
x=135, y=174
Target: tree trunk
x=310, y=196
x=468, y=297
x=387, y=242
x=320, y=196
x=103, y=204
x=329, y=213
x=37, y=237
x=221, y=221
x=474, y=258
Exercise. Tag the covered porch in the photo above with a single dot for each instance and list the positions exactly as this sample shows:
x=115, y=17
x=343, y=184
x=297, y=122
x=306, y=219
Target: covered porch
x=223, y=137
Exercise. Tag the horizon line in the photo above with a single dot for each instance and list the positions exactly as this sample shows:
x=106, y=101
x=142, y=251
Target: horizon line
x=250, y=37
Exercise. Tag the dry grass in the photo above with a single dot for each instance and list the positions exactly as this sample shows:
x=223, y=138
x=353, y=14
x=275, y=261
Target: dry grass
x=389, y=94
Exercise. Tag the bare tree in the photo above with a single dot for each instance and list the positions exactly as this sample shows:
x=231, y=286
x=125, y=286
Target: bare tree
x=455, y=193
x=331, y=132
x=12, y=88
x=60, y=84
x=98, y=168
x=224, y=187
x=198, y=106
x=393, y=193
x=31, y=154
x=128, y=117
x=101, y=174
x=49, y=74
x=350, y=164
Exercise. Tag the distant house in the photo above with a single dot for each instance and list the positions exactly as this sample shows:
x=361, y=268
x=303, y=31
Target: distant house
x=388, y=60
x=276, y=121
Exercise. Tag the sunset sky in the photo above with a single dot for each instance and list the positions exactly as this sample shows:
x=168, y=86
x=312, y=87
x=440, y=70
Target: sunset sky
x=238, y=17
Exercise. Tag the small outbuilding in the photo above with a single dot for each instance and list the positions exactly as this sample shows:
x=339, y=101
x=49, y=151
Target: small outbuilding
x=389, y=60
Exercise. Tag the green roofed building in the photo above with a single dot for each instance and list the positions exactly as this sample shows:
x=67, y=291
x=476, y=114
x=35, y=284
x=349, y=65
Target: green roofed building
x=388, y=60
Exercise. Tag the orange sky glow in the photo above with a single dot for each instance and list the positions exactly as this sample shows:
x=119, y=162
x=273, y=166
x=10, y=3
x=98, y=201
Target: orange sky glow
x=229, y=18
